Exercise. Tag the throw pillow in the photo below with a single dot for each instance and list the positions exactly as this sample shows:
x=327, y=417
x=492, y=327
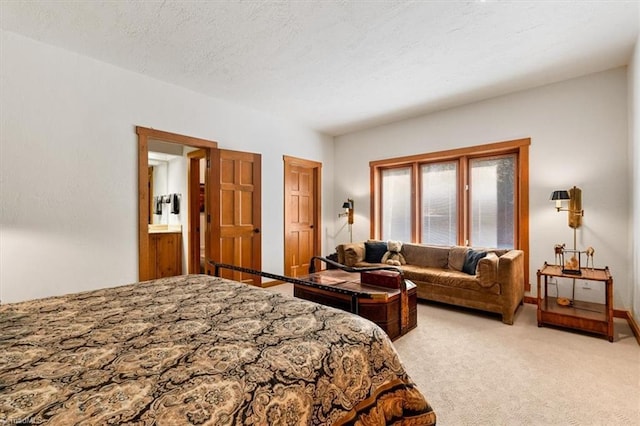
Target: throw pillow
x=471, y=261
x=457, y=255
x=353, y=253
x=374, y=250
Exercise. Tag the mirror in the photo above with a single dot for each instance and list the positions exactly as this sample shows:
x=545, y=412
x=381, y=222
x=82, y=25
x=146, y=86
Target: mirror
x=167, y=183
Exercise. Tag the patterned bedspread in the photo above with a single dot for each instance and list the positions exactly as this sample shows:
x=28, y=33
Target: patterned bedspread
x=198, y=350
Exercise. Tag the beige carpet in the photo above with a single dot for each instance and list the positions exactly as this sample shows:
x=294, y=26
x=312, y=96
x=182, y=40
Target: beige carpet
x=475, y=370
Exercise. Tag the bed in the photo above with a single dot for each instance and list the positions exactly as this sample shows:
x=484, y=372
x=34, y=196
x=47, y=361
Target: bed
x=197, y=349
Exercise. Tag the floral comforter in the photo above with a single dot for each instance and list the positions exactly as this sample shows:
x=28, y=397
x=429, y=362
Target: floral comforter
x=198, y=350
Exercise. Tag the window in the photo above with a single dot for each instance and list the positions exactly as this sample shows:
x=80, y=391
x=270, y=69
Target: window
x=439, y=207
x=475, y=196
x=492, y=201
x=396, y=209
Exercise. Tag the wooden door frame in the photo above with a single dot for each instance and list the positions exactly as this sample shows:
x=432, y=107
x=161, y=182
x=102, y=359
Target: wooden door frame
x=144, y=135
x=193, y=260
x=317, y=211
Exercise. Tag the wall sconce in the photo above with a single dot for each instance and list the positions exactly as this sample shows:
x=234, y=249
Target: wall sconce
x=574, y=195
x=558, y=197
x=348, y=212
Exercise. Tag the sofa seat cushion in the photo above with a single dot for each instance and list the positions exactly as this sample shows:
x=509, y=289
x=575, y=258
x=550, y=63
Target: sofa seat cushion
x=447, y=278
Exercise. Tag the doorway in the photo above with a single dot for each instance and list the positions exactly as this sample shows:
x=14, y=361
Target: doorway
x=232, y=206
x=302, y=207
x=147, y=268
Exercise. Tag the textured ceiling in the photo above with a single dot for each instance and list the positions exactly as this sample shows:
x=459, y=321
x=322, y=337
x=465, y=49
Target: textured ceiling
x=340, y=66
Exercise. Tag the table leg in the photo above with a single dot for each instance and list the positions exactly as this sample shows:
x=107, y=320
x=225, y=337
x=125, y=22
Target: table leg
x=539, y=312
x=609, y=308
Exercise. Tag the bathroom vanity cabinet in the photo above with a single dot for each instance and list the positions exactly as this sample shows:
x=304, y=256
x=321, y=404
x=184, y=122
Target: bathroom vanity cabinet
x=165, y=253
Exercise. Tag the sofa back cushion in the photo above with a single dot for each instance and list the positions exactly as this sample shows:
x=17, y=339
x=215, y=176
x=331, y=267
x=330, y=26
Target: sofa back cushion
x=426, y=256
x=498, y=252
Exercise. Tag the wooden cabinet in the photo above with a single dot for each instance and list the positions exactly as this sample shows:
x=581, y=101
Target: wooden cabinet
x=585, y=316
x=387, y=315
x=165, y=254
x=383, y=306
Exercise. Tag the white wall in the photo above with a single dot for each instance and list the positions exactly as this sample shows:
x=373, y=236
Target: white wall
x=160, y=172
x=177, y=184
x=634, y=150
x=579, y=136
x=68, y=165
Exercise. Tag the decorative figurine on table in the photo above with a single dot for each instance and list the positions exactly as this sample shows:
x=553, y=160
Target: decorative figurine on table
x=590, y=251
x=559, y=251
x=572, y=266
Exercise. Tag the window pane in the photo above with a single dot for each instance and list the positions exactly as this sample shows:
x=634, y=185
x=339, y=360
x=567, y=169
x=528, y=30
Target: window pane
x=492, y=202
x=396, y=204
x=439, y=203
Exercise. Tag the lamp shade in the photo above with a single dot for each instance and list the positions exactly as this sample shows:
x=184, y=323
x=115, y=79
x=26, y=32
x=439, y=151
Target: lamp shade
x=560, y=195
x=346, y=205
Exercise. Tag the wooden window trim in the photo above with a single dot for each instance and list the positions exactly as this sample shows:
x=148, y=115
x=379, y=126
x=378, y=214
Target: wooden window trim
x=518, y=146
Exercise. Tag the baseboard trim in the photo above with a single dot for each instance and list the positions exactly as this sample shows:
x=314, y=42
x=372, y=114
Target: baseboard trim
x=272, y=283
x=531, y=300
x=617, y=313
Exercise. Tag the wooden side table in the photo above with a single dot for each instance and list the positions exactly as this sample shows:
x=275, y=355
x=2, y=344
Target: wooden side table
x=586, y=316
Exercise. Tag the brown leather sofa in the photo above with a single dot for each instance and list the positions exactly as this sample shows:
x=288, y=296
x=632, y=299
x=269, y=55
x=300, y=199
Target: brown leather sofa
x=493, y=281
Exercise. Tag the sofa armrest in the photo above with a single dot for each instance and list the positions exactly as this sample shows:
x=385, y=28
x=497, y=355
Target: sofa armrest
x=511, y=278
x=340, y=253
x=487, y=270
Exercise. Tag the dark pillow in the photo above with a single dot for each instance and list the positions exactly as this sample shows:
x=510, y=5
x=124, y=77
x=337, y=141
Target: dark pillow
x=471, y=261
x=374, y=250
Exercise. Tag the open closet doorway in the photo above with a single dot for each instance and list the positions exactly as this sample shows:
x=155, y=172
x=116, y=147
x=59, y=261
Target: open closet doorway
x=159, y=245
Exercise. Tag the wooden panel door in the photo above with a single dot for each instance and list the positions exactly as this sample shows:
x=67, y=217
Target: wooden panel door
x=302, y=206
x=236, y=212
